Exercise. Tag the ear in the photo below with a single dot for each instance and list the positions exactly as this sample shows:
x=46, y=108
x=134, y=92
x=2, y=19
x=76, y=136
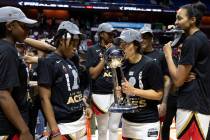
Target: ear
x=9, y=26
x=61, y=42
x=193, y=20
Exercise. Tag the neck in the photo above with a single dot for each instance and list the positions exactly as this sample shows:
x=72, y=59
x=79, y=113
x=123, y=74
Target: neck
x=193, y=30
x=9, y=39
x=59, y=52
x=135, y=58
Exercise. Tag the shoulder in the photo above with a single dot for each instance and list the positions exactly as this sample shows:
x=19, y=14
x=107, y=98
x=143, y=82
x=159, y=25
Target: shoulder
x=147, y=59
x=196, y=37
x=94, y=47
x=50, y=59
x=149, y=63
x=7, y=49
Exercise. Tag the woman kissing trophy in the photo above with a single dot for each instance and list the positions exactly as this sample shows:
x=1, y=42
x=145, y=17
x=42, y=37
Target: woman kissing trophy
x=114, y=57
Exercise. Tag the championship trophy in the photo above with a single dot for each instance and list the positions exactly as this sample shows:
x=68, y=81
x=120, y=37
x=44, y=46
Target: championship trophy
x=178, y=36
x=114, y=58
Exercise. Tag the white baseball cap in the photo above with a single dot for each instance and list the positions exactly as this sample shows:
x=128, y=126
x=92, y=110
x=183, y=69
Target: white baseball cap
x=70, y=27
x=9, y=14
x=146, y=30
x=129, y=35
x=105, y=27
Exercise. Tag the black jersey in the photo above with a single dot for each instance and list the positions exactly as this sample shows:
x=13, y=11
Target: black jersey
x=62, y=76
x=159, y=57
x=145, y=74
x=13, y=75
x=103, y=84
x=195, y=95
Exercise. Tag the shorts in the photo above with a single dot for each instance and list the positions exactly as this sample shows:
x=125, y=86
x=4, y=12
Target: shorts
x=191, y=125
x=140, y=131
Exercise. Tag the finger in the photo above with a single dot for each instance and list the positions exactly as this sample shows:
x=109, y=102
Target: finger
x=170, y=43
x=123, y=84
x=125, y=80
x=118, y=88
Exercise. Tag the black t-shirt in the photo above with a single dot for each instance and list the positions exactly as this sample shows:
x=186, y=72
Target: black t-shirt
x=13, y=75
x=103, y=84
x=145, y=74
x=195, y=95
x=159, y=57
x=62, y=76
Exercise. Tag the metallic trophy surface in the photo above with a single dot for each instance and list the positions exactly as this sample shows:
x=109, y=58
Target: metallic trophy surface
x=114, y=57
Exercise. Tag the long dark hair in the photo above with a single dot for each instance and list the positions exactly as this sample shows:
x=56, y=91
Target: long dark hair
x=2, y=30
x=196, y=10
x=138, y=45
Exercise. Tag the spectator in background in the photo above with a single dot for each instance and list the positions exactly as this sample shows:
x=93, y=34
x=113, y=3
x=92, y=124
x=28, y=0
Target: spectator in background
x=159, y=58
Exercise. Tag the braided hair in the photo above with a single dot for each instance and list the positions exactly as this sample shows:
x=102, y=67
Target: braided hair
x=58, y=36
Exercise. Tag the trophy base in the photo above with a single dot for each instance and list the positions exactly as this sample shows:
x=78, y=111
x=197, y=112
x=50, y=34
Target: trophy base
x=117, y=108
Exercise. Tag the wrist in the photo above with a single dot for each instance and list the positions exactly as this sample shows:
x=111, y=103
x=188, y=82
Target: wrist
x=55, y=132
x=134, y=92
x=24, y=130
x=163, y=103
x=168, y=57
x=87, y=105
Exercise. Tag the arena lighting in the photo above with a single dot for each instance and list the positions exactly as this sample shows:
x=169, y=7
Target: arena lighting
x=126, y=8
x=93, y=6
x=101, y=7
x=39, y=4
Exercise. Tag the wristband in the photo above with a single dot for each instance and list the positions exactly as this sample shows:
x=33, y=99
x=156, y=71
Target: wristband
x=55, y=133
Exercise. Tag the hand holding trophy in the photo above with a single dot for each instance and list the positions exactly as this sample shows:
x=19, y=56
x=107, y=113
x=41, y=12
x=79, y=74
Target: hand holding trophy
x=114, y=57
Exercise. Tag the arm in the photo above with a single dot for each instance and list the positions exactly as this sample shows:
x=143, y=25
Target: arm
x=96, y=71
x=9, y=79
x=147, y=94
x=40, y=45
x=94, y=67
x=175, y=72
x=167, y=86
x=11, y=112
x=45, y=94
x=31, y=59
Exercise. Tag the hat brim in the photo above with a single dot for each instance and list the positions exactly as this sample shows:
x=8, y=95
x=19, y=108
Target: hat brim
x=111, y=30
x=107, y=31
x=118, y=39
x=144, y=32
x=28, y=21
x=71, y=31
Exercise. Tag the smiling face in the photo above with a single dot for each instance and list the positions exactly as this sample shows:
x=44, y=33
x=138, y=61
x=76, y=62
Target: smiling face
x=183, y=20
x=146, y=41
